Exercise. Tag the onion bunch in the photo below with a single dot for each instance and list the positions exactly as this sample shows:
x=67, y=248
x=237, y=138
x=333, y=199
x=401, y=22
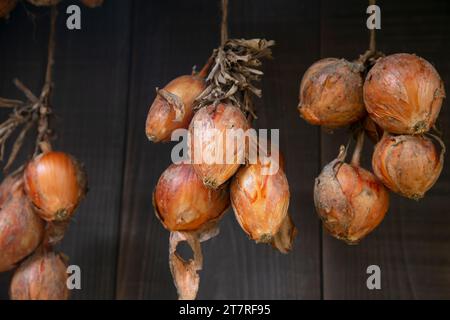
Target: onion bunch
x=396, y=100
x=189, y=199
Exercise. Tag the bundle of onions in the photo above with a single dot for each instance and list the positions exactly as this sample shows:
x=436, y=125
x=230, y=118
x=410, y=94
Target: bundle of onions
x=43, y=276
x=215, y=154
x=408, y=165
x=21, y=230
x=331, y=93
x=349, y=199
x=403, y=94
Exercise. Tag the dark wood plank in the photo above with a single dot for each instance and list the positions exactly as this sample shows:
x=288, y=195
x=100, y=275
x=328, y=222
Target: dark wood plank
x=91, y=75
x=412, y=245
x=169, y=37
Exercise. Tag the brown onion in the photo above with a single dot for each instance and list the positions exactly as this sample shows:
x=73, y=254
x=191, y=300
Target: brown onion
x=92, y=3
x=403, y=94
x=260, y=202
x=225, y=118
x=183, y=203
x=44, y=3
x=55, y=182
x=331, y=93
x=21, y=230
x=350, y=200
x=6, y=6
x=173, y=107
x=43, y=276
x=408, y=165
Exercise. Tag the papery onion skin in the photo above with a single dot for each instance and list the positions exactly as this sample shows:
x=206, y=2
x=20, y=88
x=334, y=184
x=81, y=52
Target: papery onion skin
x=408, y=165
x=403, y=94
x=6, y=6
x=21, y=230
x=55, y=182
x=260, y=202
x=43, y=276
x=161, y=118
x=183, y=203
x=225, y=118
x=350, y=201
x=331, y=93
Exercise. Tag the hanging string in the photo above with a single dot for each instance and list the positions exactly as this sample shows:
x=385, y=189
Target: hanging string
x=372, y=42
x=43, y=139
x=224, y=24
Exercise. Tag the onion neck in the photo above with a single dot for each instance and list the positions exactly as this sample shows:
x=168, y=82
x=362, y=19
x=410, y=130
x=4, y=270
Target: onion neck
x=358, y=148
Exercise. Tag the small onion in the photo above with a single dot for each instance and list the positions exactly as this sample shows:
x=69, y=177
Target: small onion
x=55, y=182
x=214, y=154
x=44, y=3
x=408, y=165
x=92, y=3
x=331, y=93
x=43, y=276
x=6, y=6
x=350, y=200
x=173, y=107
x=183, y=203
x=260, y=201
x=21, y=230
x=403, y=94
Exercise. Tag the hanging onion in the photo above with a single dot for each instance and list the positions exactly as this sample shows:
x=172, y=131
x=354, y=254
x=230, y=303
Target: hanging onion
x=350, y=200
x=55, y=182
x=21, y=230
x=215, y=155
x=43, y=276
x=331, y=93
x=183, y=203
x=403, y=94
x=408, y=165
x=173, y=107
x=6, y=6
x=260, y=201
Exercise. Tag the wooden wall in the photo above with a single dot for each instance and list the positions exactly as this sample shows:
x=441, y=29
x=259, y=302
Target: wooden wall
x=105, y=75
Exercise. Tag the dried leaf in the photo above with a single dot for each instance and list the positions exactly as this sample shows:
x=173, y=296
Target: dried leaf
x=285, y=236
x=185, y=273
x=18, y=145
x=232, y=73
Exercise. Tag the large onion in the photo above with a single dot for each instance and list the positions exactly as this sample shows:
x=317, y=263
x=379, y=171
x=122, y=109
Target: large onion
x=55, y=182
x=173, y=107
x=183, y=203
x=43, y=276
x=260, y=201
x=403, y=94
x=331, y=93
x=215, y=157
x=350, y=200
x=408, y=165
x=21, y=230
